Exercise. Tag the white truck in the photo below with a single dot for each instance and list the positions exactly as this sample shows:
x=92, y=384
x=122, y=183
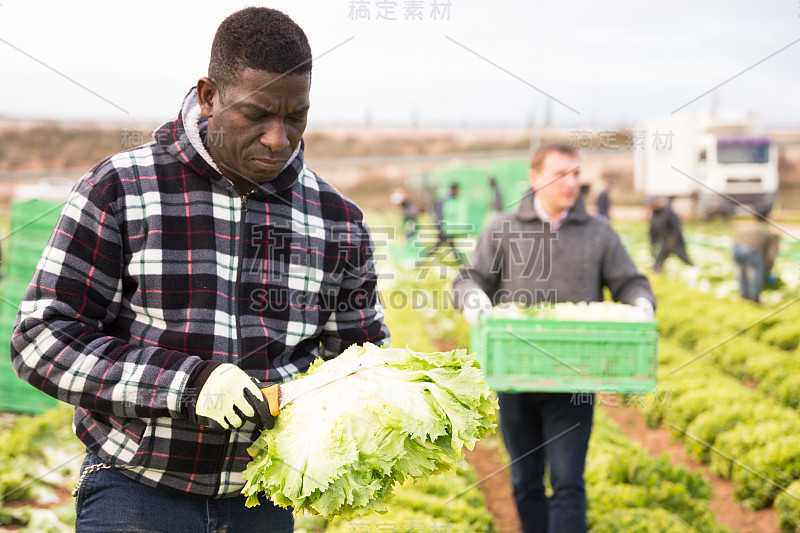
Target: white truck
x=708, y=163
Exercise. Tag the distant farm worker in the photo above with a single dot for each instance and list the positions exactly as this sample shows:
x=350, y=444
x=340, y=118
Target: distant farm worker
x=548, y=250
x=497, y=195
x=603, y=201
x=409, y=211
x=666, y=235
x=754, y=251
x=186, y=270
x=444, y=227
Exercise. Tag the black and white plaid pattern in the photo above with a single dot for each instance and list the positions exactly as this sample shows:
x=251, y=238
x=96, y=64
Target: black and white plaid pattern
x=158, y=263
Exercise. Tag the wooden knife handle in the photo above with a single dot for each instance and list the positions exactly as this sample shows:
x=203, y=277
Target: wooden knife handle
x=271, y=395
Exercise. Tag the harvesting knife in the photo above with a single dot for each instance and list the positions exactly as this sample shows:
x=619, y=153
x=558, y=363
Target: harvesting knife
x=279, y=394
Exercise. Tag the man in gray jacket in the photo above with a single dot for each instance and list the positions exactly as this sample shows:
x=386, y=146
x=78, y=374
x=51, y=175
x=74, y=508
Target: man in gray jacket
x=549, y=250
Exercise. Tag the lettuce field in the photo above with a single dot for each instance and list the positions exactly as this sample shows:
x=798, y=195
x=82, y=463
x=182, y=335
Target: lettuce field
x=728, y=392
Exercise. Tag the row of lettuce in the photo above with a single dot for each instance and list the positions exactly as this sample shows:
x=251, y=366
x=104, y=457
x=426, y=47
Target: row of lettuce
x=628, y=490
x=731, y=371
x=710, y=247
x=729, y=381
x=729, y=384
x=39, y=463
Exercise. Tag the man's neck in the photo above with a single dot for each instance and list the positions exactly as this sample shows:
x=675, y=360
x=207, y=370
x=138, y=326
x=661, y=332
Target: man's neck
x=544, y=211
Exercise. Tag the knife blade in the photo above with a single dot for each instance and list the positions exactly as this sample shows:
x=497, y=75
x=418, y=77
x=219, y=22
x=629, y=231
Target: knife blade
x=280, y=394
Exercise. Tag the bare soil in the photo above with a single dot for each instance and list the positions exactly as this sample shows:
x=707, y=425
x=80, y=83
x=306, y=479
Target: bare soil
x=494, y=480
x=728, y=511
x=495, y=483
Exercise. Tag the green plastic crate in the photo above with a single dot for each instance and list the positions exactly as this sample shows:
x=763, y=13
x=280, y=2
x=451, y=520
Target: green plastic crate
x=20, y=275
x=519, y=355
x=33, y=231
x=20, y=396
x=38, y=212
x=466, y=214
x=32, y=223
x=512, y=178
x=6, y=329
x=25, y=251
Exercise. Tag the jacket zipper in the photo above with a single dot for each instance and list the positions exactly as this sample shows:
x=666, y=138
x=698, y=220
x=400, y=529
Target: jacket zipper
x=242, y=226
x=241, y=254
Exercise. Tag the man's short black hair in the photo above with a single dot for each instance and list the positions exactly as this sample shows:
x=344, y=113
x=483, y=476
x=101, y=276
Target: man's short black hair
x=259, y=38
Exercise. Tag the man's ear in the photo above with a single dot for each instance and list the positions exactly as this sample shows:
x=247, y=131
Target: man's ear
x=533, y=177
x=206, y=91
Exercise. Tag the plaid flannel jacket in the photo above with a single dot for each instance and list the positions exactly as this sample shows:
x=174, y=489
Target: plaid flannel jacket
x=157, y=264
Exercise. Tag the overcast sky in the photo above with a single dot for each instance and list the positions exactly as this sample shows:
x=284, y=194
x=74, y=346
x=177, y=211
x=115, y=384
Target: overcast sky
x=437, y=62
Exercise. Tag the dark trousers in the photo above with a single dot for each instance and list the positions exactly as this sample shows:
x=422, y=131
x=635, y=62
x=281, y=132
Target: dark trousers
x=110, y=501
x=665, y=250
x=552, y=429
x=749, y=271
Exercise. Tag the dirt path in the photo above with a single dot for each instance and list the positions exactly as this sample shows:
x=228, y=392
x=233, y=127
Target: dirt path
x=494, y=480
x=656, y=441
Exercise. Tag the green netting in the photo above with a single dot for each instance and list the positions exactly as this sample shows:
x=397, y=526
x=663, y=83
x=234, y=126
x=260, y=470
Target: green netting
x=511, y=176
x=32, y=223
x=474, y=205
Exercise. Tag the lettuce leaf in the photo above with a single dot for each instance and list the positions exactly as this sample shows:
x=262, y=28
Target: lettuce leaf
x=339, y=450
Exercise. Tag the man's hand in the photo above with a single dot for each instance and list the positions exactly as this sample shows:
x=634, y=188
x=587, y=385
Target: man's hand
x=475, y=302
x=229, y=397
x=646, y=306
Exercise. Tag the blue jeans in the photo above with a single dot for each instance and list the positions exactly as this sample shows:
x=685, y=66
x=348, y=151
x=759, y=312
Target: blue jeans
x=554, y=429
x=110, y=501
x=749, y=270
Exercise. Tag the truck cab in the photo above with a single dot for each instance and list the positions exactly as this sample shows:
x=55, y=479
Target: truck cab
x=717, y=163
x=746, y=170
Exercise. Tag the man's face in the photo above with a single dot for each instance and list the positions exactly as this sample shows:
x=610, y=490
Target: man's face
x=256, y=124
x=558, y=183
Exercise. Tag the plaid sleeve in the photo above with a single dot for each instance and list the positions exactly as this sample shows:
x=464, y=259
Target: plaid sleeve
x=63, y=342
x=358, y=313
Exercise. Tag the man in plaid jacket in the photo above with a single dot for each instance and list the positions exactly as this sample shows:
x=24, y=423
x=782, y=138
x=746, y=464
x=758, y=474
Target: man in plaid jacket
x=183, y=269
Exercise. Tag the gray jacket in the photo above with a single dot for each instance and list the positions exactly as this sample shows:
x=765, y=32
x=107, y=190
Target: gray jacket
x=518, y=258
